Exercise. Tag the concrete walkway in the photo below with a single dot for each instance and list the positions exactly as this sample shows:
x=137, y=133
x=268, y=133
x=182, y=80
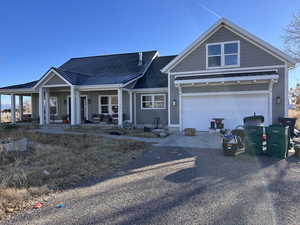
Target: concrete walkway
x=203, y=140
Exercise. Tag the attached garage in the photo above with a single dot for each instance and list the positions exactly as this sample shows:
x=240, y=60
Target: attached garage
x=231, y=97
x=198, y=109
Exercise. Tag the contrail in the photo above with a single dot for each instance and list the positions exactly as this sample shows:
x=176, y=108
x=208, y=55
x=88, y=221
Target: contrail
x=210, y=11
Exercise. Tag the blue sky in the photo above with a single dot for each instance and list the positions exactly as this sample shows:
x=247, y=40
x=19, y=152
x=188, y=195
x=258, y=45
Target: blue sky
x=36, y=35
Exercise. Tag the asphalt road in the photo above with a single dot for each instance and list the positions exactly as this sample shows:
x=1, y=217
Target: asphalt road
x=183, y=186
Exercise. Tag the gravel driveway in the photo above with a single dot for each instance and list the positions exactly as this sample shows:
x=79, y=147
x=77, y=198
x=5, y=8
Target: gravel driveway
x=169, y=185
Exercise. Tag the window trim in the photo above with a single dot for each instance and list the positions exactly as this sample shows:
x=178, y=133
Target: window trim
x=110, y=112
x=152, y=100
x=223, y=55
x=56, y=114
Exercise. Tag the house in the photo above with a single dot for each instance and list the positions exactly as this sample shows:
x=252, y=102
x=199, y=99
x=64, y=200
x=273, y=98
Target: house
x=226, y=73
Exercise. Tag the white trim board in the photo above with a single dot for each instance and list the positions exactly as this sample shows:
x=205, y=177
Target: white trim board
x=18, y=91
x=143, y=90
x=45, y=78
x=227, y=71
x=169, y=100
x=55, y=85
x=238, y=30
x=101, y=87
x=226, y=79
x=286, y=90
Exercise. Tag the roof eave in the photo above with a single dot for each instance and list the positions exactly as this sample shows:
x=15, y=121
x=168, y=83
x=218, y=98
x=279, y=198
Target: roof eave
x=18, y=91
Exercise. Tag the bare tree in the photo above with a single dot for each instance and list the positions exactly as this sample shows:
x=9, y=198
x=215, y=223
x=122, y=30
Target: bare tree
x=292, y=37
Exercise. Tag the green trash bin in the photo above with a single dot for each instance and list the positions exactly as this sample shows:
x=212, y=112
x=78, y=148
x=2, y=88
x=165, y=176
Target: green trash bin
x=254, y=140
x=277, y=141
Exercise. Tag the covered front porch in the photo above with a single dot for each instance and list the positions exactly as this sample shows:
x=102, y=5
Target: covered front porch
x=76, y=105
x=55, y=100
x=18, y=102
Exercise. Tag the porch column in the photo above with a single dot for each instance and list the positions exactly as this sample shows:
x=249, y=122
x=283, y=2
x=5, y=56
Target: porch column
x=130, y=105
x=21, y=107
x=78, y=107
x=47, y=115
x=13, y=108
x=41, y=106
x=73, y=106
x=120, y=107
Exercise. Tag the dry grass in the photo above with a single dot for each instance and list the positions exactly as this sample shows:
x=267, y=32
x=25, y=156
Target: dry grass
x=130, y=133
x=295, y=114
x=56, y=162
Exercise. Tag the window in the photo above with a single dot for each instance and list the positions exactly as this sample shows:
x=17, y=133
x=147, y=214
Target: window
x=53, y=106
x=108, y=104
x=224, y=54
x=156, y=101
x=104, y=104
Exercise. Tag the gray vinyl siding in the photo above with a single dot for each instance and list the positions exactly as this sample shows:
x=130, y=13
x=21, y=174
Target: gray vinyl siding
x=250, y=55
x=146, y=117
x=55, y=80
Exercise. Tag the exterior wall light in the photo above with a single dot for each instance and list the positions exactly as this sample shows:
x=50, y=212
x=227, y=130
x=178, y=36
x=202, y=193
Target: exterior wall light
x=278, y=100
x=174, y=103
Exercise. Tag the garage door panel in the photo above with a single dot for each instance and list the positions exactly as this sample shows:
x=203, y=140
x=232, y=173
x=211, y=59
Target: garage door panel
x=197, y=111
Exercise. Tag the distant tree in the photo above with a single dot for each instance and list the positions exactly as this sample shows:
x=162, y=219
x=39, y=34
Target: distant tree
x=292, y=37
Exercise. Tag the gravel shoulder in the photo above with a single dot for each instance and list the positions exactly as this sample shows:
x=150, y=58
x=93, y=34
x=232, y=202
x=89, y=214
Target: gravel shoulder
x=169, y=185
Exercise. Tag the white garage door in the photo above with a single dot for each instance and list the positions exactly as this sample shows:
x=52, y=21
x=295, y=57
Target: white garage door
x=197, y=111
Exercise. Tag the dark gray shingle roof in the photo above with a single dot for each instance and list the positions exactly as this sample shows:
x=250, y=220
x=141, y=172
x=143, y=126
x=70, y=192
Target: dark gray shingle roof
x=21, y=86
x=154, y=78
x=106, y=69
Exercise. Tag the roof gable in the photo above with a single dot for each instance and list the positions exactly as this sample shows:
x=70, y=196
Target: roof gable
x=238, y=31
x=55, y=80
